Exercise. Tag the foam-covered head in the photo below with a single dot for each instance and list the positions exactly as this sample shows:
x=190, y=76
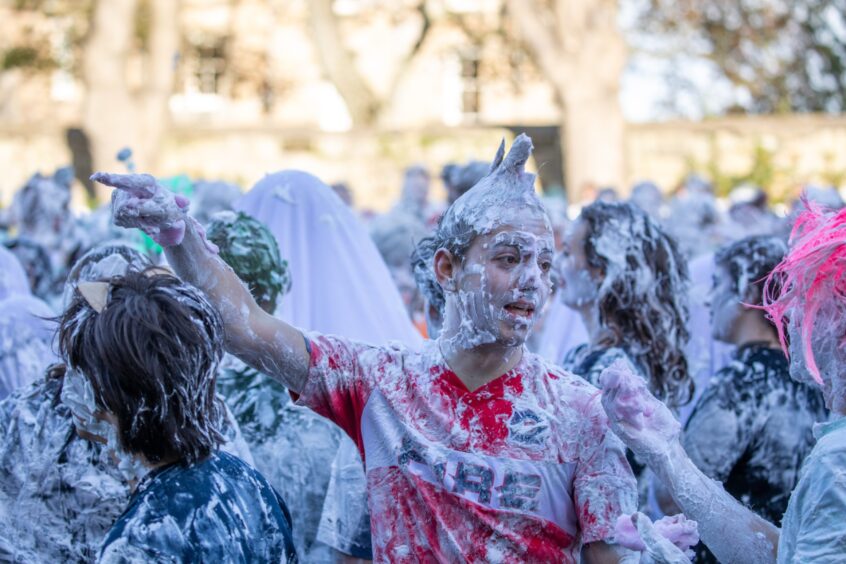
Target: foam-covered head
x=648, y=197
x=34, y=258
x=505, y=196
x=151, y=356
x=742, y=268
x=641, y=292
x=101, y=262
x=396, y=233
x=458, y=179
x=805, y=295
x=43, y=201
x=493, y=255
x=423, y=269
x=250, y=249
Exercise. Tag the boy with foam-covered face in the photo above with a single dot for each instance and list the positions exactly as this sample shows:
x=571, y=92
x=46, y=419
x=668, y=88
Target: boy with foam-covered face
x=475, y=449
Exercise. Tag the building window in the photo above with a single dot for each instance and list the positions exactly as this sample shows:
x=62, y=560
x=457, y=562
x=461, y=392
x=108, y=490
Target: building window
x=462, y=101
x=469, y=61
x=206, y=67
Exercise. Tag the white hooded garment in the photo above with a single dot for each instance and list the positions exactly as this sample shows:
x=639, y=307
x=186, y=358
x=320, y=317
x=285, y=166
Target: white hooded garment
x=26, y=338
x=340, y=284
x=13, y=280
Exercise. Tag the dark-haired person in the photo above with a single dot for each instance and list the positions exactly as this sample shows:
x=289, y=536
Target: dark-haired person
x=475, y=448
x=753, y=426
x=147, y=347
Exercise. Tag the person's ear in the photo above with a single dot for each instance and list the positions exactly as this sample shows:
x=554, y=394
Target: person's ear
x=445, y=269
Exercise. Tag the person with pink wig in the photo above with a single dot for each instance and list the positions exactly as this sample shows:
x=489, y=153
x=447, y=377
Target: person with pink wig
x=805, y=296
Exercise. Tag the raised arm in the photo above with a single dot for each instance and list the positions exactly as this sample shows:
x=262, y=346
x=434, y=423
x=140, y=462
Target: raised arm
x=732, y=532
x=259, y=339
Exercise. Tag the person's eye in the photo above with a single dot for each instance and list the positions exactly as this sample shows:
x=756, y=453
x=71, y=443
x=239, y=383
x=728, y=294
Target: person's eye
x=546, y=265
x=509, y=260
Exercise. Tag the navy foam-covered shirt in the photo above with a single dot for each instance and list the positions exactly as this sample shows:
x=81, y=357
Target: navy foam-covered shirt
x=216, y=510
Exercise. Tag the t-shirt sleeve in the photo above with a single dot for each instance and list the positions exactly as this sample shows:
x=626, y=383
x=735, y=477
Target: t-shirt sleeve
x=604, y=487
x=340, y=377
x=823, y=511
x=717, y=434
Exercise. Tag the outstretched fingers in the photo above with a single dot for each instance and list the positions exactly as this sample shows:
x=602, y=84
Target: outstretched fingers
x=140, y=201
x=136, y=185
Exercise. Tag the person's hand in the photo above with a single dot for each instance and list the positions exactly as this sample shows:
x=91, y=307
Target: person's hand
x=642, y=421
x=667, y=541
x=139, y=201
x=659, y=548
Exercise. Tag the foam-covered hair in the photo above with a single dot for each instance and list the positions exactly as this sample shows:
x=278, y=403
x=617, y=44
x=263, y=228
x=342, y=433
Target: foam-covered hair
x=749, y=261
x=151, y=356
x=486, y=206
x=642, y=301
x=251, y=250
x=812, y=277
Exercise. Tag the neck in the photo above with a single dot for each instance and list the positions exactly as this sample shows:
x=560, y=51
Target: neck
x=590, y=318
x=752, y=327
x=481, y=364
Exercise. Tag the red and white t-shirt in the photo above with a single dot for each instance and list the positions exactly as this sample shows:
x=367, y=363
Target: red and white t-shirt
x=522, y=469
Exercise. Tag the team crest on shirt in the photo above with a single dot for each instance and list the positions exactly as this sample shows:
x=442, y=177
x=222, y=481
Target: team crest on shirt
x=526, y=427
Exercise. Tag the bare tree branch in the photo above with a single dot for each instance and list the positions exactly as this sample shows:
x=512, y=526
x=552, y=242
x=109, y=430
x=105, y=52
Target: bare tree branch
x=339, y=65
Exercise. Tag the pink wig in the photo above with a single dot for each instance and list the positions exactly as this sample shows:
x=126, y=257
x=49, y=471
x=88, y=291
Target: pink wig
x=812, y=276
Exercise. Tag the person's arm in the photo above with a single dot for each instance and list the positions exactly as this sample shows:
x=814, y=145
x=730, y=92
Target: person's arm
x=259, y=339
x=730, y=530
x=603, y=486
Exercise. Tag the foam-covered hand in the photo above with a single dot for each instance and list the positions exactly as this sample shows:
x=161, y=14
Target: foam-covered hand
x=666, y=541
x=141, y=202
x=642, y=421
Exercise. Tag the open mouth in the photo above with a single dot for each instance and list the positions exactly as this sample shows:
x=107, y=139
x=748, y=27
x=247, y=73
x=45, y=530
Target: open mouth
x=521, y=309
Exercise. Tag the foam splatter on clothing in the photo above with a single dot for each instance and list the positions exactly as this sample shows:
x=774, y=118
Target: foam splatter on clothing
x=752, y=429
x=522, y=469
x=50, y=476
x=292, y=446
x=217, y=510
x=589, y=362
x=812, y=529
x=345, y=520
x=71, y=486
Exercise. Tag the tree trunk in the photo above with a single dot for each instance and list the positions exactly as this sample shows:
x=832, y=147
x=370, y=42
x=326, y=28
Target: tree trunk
x=110, y=115
x=339, y=66
x=161, y=70
x=115, y=117
x=581, y=51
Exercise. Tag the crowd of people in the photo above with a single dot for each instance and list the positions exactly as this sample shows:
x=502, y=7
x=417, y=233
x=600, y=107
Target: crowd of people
x=196, y=373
